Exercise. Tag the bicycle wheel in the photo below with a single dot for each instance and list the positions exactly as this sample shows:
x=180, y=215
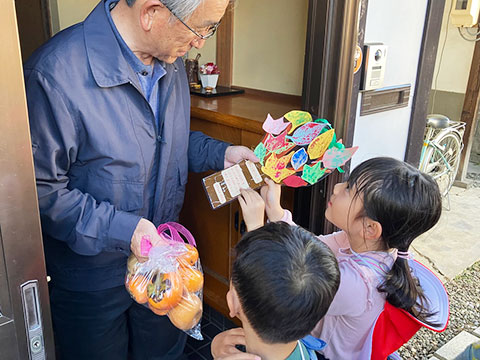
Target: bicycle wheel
x=442, y=160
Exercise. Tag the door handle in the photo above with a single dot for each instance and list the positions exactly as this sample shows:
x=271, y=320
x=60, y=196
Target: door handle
x=33, y=319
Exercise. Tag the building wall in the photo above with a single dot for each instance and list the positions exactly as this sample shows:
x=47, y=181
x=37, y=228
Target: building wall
x=452, y=69
x=73, y=11
x=386, y=133
x=269, y=45
x=269, y=41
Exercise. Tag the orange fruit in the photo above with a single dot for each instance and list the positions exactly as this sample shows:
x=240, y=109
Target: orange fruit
x=192, y=278
x=189, y=257
x=165, y=291
x=157, y=311
x=187, y=313
x=137, y=286
x=132, y=264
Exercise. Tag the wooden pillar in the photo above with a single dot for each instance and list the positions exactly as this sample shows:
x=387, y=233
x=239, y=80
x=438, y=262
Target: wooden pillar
x=224, y=57
x=470, y=111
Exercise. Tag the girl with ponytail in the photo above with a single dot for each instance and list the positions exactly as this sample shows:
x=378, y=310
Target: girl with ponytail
x=380, y=210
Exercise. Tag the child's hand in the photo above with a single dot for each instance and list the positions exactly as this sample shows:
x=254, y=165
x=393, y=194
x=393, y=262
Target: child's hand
x=241, y=356
x=253, y=208
x=223, y=345
x=271, y=195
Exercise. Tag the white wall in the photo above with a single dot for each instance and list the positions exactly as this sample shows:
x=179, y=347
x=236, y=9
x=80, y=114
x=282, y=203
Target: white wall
x=457, y=57
x=73, y=11
x=208, y=52
x=269, y=44
x=385, y=133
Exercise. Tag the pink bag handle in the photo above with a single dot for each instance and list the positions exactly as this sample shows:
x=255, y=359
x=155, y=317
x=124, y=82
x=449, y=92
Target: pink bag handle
x=175, y=230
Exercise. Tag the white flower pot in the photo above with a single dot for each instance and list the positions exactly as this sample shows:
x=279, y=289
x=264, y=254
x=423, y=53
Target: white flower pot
x=209, y=80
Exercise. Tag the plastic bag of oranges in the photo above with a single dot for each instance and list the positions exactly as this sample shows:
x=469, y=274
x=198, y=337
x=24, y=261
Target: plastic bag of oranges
x=170, y=282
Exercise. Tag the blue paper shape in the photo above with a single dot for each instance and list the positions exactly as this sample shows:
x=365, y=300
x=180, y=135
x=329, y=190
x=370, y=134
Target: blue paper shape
x=299, y=159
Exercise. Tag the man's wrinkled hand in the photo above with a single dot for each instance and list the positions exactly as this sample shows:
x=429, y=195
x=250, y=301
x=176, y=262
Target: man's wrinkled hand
x=144, y=228
x=235, y=154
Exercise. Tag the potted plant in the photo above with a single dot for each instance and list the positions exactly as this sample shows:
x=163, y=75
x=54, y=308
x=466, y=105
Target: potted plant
x=209, y=75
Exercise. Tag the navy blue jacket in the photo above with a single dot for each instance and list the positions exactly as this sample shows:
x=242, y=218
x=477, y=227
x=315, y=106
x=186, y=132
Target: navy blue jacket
x=101, y=161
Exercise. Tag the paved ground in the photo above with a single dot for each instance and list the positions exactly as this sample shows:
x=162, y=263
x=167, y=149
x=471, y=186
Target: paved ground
x=448, y=249
x=453, y=244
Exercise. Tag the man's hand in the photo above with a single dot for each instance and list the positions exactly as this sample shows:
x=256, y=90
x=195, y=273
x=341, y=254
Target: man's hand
x=144, y=228
x=253, y=208
x=271, y=195
x=235, y=154
x=223, y=346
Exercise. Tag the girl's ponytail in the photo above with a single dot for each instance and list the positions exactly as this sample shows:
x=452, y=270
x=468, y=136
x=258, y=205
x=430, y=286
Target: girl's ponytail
x=406, y=203
x=404, y=292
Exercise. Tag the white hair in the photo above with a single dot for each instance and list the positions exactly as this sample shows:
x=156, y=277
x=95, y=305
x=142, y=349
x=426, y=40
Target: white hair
x=181, y=8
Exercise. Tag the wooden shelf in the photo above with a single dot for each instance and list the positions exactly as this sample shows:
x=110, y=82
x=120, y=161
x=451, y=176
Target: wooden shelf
x=243, y=111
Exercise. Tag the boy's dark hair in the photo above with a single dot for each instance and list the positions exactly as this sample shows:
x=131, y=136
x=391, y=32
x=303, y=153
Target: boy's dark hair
x=285, y=279
x=407, y=203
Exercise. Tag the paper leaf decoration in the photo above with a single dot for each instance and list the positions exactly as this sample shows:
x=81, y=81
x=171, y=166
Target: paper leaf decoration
x=305, y=134
x=320, y=144
x=312, y=174
x=334, y=157
x=274, y=127
x=299, y=158
x=277, y=144
x=276, y=168
x=260, y=152
x=300, y=151
x=294, y=181
x=297, y=118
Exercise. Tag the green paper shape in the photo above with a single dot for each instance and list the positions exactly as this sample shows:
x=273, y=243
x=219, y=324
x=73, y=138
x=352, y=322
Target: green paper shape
x=312, y=174
x=260, y=152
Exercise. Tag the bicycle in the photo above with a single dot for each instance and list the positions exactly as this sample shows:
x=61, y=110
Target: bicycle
x=442, y=146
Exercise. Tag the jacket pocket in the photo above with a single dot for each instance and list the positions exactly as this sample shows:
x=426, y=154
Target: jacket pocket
x=123, y=195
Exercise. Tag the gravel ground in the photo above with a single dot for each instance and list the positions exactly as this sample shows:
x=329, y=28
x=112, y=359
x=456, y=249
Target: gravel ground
x=464, y=293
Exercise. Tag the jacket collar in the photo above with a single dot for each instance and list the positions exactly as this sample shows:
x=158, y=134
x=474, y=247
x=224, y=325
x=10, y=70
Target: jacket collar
x=107, y=63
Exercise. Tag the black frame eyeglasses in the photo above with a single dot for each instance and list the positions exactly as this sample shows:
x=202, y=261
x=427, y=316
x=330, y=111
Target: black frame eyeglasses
x=210, y=30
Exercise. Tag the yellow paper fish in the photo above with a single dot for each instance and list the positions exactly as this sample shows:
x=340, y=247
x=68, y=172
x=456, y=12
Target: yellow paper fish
x=276, y=168
x=320, y=144
x=297, y=118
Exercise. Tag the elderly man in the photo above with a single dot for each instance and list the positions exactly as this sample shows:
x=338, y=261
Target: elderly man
x=109, y=113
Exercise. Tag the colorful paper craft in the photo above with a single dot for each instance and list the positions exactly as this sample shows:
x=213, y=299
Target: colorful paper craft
x=260, y=152
x=278, y=144
x=294, y=181
x=299, y=158
x=305, y=134
x=312, y=174
x=302, y=152
x=335, y=157
x=274, y=127
x=297, y=118
x=320, y=144
x=276, y=168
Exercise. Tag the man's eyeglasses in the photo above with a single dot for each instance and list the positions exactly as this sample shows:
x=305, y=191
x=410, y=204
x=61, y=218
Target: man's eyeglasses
x=209, y=31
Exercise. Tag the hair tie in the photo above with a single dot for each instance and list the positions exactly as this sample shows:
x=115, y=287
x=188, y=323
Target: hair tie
x=407, y=255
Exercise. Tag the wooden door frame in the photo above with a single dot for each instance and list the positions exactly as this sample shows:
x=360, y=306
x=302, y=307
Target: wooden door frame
x=21, y=239
x=328, y=91
x=423, y=83
x=470, y=113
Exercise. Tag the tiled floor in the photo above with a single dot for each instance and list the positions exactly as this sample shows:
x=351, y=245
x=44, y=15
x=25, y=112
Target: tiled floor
x=212, y=323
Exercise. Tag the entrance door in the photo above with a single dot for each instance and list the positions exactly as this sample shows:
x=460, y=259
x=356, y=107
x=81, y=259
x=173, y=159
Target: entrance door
x=25, y=323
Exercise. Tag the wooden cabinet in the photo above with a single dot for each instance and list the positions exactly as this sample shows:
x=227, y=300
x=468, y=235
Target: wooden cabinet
x=238, y=120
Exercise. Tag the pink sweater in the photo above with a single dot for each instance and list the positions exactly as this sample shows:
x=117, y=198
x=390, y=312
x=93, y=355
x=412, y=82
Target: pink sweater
x=357, y=303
